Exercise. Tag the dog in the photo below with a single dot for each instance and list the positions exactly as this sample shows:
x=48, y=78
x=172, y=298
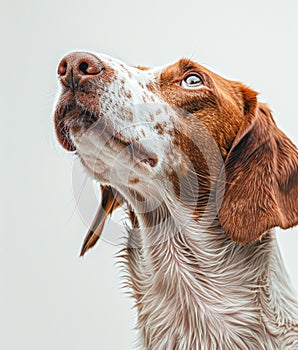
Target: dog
x=204, y=175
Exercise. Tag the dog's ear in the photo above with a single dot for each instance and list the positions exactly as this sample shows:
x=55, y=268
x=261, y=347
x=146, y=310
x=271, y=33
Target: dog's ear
x=261, y=175
x=110, y=200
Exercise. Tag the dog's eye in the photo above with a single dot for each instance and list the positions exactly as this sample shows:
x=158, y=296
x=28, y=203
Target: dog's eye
x=192, y=81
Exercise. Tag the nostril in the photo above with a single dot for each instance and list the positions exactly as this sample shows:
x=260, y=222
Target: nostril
x=83, y=67
x=90, y=69
x=62, y=68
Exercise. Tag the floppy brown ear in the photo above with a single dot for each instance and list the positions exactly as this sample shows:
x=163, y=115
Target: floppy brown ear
x=110, y=200
x=261, y=173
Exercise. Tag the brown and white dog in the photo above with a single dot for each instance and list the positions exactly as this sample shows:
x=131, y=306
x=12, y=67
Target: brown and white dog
x=205, y=175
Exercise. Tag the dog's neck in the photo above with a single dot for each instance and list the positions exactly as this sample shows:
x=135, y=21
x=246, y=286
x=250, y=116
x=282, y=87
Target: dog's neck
x=196, y=289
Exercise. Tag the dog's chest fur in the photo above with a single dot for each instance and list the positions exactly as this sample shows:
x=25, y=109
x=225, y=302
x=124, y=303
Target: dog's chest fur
x=204, y=292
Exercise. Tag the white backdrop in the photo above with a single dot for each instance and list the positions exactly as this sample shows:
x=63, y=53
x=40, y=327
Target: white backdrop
x=51, y=299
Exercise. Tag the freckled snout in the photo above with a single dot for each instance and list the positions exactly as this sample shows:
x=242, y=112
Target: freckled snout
x=77, y=68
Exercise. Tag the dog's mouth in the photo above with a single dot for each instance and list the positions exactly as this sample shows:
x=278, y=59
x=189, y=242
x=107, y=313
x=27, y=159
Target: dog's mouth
x=72, y=120
x=136, y=150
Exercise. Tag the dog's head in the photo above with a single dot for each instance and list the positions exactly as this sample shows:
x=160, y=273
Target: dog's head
x=173, y=132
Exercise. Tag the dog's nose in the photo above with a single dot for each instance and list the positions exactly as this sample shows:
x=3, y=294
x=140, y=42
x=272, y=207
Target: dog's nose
x=78, y=67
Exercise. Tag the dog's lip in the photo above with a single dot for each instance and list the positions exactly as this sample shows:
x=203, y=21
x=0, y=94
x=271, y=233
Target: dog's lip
x=134, y=147
x=63, y=133
x=66, y=142
x=67, y=115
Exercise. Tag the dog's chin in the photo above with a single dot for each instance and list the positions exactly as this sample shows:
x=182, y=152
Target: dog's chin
x=112, y=162
x=98, y=143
